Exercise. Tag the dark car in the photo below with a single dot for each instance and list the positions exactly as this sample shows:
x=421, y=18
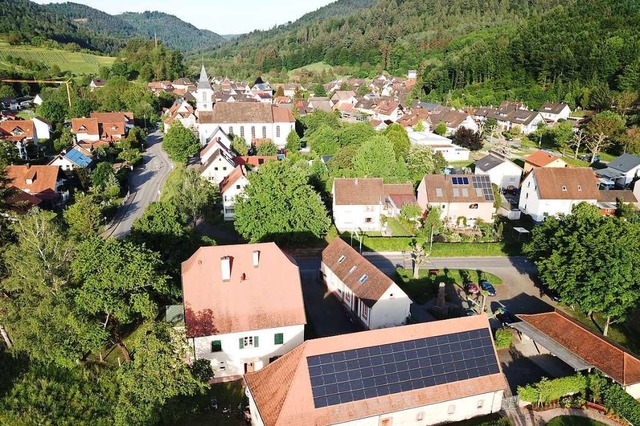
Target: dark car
x=471, y=288
x=504, y=316
x=488, y=287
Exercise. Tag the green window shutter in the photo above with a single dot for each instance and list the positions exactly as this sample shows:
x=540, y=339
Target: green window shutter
x=255, y=342
x=216, y=346
x=278, y=338
x=241, y=343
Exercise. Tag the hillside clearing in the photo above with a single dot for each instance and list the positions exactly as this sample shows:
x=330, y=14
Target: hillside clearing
x=75, y=62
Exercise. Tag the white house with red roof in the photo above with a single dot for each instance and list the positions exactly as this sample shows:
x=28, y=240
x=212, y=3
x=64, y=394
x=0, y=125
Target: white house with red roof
x=231, y=188
x=364, y=291
x=243, y=306
x=422, y=374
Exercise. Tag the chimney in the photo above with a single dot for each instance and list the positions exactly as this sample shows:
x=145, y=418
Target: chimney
x=440, y=303
x=256, y=258
x=225, y=262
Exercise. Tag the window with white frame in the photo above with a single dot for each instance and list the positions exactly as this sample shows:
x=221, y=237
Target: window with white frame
x=248, y=342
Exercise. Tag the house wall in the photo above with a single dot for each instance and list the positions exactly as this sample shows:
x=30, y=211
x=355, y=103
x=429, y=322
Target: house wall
x=64, y=164
x=87, y=137
x=564, y=114
x=463, y=408
x=42, y=131
x=450, y=212
x=229, y=198
x=633, y=390
x=204, y=100
x=344, y=294
x=231, y=360
x=391, y=310
x=244, y=130
x=631, y=175
x=504, y=175
x=352, y=218
x=219, y=169
x=539, y=209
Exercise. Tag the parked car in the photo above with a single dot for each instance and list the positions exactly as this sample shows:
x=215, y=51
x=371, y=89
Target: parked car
x=488, y=287
x=471, y=288
x=504, y=316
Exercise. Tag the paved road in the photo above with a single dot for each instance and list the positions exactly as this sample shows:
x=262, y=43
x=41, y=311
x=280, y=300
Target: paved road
x=518, y=292
x=145, y=184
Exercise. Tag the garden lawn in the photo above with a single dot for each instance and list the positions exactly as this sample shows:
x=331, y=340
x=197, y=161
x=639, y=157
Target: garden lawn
x=397, y=229
x=573, y=421
x=426, y=287
x=490, y=420
x=384, y=244
x=230, y=394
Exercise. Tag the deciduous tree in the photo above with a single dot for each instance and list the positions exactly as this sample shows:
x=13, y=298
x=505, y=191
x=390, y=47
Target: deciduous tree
x=180, y=143
x=280, y=205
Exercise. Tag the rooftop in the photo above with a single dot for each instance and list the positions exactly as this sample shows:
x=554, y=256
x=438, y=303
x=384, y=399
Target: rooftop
x=262, y=291
x=344, y=378
x=566, y=183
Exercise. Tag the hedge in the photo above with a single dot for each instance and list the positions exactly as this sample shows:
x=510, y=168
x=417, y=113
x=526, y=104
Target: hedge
x=620, y=402
x=382, y=244
x=546, y=391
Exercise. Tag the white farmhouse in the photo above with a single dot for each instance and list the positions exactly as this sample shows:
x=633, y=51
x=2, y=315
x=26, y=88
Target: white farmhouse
x=249, y=120
x=243, y=306
x=551, y=111
x=231, y=188
x=367, y=293
x=422, y=374
x=501, y=171
x=552, y=191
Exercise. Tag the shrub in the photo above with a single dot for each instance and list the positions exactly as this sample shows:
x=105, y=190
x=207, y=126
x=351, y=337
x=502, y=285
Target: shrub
x=621, y=403
x=201, y=370
x=547, y=390
x=504, y=338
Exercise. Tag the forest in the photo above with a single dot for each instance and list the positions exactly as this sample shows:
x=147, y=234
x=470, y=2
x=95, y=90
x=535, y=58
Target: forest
x=479, y=51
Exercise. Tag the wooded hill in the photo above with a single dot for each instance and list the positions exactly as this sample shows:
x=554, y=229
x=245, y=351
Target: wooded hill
x=22, y=21
x=516, y=47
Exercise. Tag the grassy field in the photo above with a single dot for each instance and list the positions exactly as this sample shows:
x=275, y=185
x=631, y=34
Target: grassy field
x=76, y=62
x=440, y=249
x=573, y=421
x=315, y=67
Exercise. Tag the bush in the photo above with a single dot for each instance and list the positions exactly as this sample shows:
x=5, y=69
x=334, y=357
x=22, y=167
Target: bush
x=546, y=390
x=504, y=337
x=201, y=370
x=620, y=402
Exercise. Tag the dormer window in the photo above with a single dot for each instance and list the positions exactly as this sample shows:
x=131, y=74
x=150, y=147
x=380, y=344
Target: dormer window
x=342, y=258
x=564, y=188
x=363, y=278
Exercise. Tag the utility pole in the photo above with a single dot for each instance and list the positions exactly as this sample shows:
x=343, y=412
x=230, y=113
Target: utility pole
x=44, y=82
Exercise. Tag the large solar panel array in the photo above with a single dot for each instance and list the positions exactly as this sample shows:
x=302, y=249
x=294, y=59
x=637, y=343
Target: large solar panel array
x=358, y=374
x=483, y=182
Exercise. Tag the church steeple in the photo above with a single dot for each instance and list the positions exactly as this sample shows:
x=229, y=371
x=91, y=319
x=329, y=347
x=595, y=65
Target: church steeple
x=203, y=82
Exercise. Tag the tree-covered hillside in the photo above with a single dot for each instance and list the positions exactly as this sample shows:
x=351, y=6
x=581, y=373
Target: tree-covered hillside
x=22, y=21
x=173, y=32
x=482, y=50
x=93, y=18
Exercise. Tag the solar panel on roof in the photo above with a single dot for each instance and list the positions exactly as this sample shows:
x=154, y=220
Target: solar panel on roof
x=400, y=367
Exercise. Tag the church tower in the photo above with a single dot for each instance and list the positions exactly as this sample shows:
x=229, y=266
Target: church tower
x=204, y=92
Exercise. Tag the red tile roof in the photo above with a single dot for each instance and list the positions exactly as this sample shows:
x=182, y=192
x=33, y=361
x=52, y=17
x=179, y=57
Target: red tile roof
x=283, y=395
x=352, y=268
x=18, y=128
x=266, y=296
x=358, y=191
x=43, y=180
x=540, y=159
x=596, y=350
x=254, y=161
x=85, y=125
x=566, y=183
x=237, y=173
